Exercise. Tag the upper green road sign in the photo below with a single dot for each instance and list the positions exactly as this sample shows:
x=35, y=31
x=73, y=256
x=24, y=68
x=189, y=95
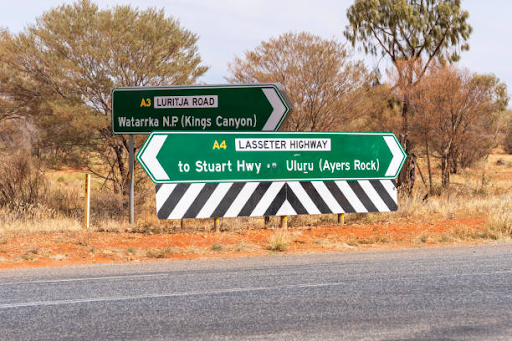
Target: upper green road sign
x=252, y=107
x=173, y=157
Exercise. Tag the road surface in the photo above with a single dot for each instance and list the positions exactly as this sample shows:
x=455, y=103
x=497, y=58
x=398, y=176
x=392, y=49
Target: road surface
x=451, y=293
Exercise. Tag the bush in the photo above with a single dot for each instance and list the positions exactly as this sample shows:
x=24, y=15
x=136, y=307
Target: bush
x=108, y=205
x=508, y=139
x=22, y=181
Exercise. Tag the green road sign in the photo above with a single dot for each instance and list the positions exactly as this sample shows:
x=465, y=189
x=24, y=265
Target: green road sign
x=253, y=107
x=174, y=157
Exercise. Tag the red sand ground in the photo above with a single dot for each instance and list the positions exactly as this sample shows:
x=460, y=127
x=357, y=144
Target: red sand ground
x=59, y=249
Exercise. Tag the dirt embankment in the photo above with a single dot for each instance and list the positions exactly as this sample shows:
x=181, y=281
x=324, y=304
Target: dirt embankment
x=58, y=249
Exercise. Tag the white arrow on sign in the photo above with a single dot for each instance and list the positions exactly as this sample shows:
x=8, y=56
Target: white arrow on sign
x=149, y=157
x=398, y=156
x=278, y=110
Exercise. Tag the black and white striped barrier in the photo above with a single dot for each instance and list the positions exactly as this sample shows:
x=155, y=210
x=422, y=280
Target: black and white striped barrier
x=253, y=199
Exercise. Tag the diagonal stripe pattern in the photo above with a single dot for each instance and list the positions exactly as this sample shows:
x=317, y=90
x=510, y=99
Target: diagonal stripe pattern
x=245, y=199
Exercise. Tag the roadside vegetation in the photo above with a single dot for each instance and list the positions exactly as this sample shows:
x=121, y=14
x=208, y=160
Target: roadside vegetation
x=56, y=77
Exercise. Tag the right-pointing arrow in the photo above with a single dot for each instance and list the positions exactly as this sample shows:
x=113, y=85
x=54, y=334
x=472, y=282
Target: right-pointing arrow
x=278, y=111
x=398, y=156
x=149, y=159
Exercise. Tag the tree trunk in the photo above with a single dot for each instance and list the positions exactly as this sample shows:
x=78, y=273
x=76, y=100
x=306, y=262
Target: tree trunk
x=445, y=169
x=454, y=164
x=429, y=170
x=407, y=176
x=123, y=181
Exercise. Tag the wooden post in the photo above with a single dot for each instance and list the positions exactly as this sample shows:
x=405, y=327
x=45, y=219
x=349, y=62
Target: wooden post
x=341, y=219
x=267, y=221
x=182, y=223
x=87, y=211
x=216, y=224
x=284, y=222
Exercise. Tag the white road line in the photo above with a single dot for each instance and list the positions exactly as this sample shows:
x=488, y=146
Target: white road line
x=85, y=279
x=168, y=295
x=210, y=292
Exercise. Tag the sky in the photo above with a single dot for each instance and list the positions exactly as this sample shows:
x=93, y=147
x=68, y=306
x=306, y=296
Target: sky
x=229, y=28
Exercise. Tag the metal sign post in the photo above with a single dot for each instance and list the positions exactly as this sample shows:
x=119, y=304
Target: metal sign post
x=131, y=161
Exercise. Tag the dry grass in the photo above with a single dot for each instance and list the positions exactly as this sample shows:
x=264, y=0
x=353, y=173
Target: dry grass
x=449, y=207
x=161, y=252
x=279, y=241
x=499, y=223
x=38, y=226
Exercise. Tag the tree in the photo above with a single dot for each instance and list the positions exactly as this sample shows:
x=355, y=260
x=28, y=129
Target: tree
x=483, y=135
x=412, y=31
x=460, y=116
x=325, y=87
x=62, y=69
x=508, y=138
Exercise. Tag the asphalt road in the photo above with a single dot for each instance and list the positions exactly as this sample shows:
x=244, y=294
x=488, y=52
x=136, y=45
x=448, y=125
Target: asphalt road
x=456, y=293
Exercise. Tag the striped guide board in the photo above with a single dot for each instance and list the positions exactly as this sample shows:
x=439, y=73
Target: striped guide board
x=255, y=199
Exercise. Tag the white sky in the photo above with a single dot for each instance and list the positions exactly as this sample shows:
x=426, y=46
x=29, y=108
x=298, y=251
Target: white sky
x=228, y=28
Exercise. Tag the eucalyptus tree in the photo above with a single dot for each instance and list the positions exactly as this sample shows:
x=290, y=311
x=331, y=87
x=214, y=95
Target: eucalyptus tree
x=412, y=34
x=324, y=84
x=62, y=69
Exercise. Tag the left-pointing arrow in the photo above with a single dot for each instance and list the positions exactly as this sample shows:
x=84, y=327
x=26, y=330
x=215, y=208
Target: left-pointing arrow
x=149, y=155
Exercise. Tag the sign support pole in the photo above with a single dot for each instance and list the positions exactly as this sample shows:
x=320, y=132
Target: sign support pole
x=131, y=161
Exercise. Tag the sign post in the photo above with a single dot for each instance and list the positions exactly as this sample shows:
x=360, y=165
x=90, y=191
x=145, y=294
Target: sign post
x=270, y=157
x=142, y=110
x=131, y=158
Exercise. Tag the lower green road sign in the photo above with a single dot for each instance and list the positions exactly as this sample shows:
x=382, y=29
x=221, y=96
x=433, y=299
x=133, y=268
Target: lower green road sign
x=174, y=157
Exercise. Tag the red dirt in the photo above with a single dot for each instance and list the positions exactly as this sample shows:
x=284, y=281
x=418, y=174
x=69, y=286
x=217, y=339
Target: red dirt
x=58, y=249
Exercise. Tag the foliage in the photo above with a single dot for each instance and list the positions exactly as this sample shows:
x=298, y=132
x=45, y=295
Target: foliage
x=61, y=70
x=409, y=29
x=326, y=88
x=508, y=138
x=458, y=116
x=22, y=182
x=412, y=34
